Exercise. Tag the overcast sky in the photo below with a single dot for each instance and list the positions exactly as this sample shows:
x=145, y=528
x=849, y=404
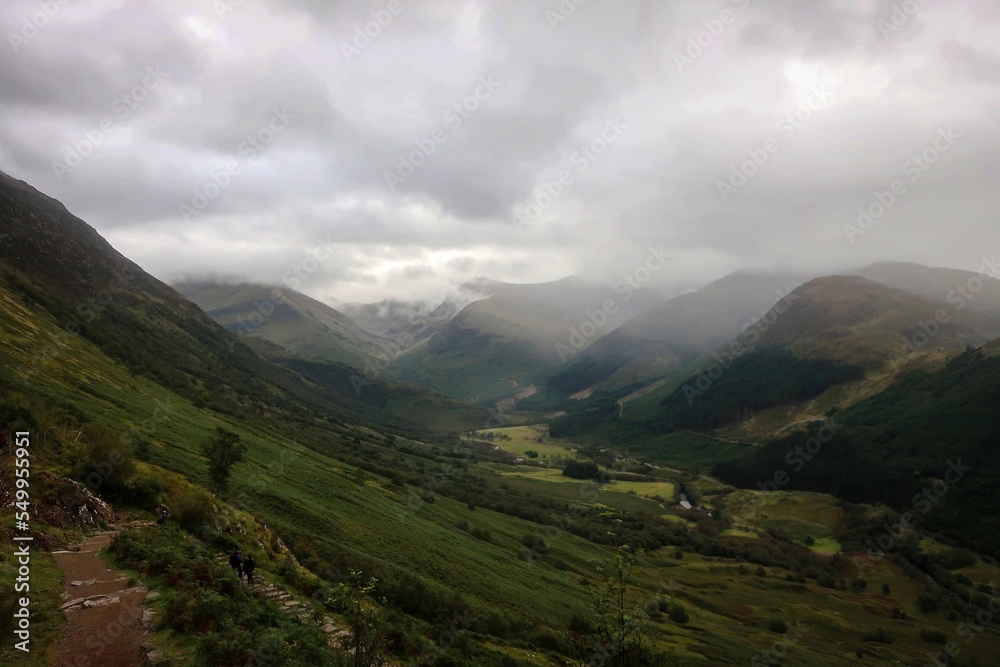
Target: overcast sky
x=388, y=164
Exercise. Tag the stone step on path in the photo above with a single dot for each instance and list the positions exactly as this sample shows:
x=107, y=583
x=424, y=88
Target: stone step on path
x=295, y=607
x=336, y=635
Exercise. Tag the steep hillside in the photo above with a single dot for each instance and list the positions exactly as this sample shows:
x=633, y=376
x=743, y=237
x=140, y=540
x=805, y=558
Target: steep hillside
x=836, y=340
x=55, y=261
x=892, y=446
x=364, y=395
x=664, y=339
x=856, y=321
x=475, y=562
x=289, y=319
x=516, y=338
x=952, y=288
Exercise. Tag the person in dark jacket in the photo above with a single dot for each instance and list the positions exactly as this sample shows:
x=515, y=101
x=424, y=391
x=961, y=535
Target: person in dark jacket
x=236, y=562
x=248, y=567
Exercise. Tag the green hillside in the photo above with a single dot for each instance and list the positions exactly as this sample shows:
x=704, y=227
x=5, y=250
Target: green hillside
x=891, y=447
x=289, y=319
x=476, y=562
x=520, y=336
x=856, y=321
x=754, y=381
x=663, y=340
x=367, y=394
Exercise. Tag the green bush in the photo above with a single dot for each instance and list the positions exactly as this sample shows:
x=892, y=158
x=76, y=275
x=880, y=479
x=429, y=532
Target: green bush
x=105, y=463
x=231, y=624
x=880, y=636
x=191, y=507
x=535, y=543
x=927, y=603
x=581, y=469
x=934, y=636
x=678, y=614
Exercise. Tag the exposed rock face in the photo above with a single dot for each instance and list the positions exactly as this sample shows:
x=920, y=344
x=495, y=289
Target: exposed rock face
x=79, y=507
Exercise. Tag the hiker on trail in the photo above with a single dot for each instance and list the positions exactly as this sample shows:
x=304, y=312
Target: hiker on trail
x=236, y=562
x=164, y=516
x=248, y=567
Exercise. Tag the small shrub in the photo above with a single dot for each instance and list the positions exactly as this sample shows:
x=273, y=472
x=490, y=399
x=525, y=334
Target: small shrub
x=535, y=543
x=778, y=626
x=934, y=636
x=880, y=636
x=192, y=508
x=678, y=614
x=927, y=603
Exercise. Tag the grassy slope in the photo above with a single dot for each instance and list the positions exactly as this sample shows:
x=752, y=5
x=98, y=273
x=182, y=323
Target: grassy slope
x=367, y=393
x=845, y=319
x=659, y=342
x=301, y=492
x=302, y=479
x=489, y=349
x=292, y=320
x=896, y=443
x=305, y=495
x=855, y=321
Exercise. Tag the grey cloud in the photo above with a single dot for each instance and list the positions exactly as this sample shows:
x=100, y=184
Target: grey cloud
x=972, y=62
x=323, y=177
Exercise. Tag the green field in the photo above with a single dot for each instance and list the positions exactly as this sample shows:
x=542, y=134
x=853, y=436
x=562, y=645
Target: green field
x=526, y=438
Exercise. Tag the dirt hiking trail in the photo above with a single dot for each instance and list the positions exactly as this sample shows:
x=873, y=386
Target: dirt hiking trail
x=104, y=616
